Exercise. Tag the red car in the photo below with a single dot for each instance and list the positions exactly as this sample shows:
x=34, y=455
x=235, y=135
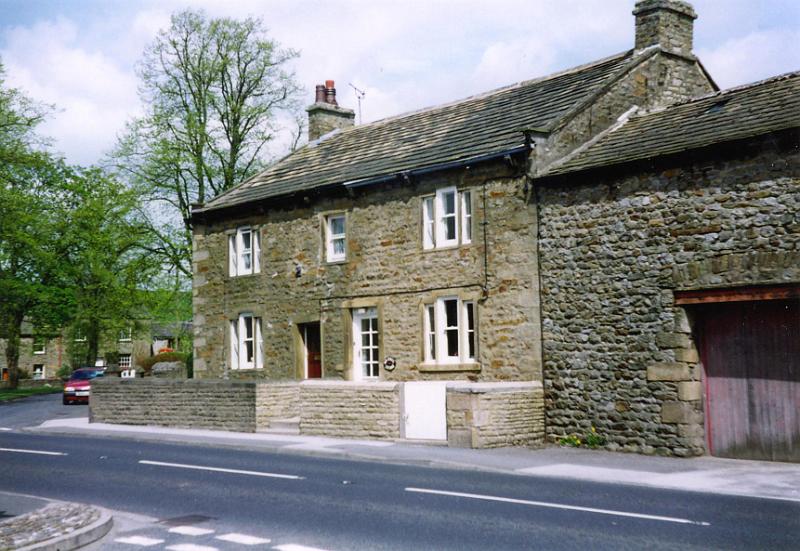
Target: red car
x=77, y=389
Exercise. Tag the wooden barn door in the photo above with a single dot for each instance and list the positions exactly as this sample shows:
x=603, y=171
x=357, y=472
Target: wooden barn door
x=751, y=354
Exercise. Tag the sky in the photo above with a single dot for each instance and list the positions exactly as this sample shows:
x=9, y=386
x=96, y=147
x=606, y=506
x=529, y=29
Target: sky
x=81, y=55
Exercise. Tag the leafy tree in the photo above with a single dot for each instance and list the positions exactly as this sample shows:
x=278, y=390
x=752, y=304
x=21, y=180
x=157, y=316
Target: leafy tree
x=108, y=257
x=212, y=90
x=27, y=252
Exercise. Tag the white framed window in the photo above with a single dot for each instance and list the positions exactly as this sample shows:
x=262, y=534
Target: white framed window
x=449, y=326
x=244, y=252
x=79, y=336
x=246, y=344
x=335, y=238
x=126, y=335
x=446, y=218
x=39, y=345
x=124, y=361
x=38, y=371
x=366, y=348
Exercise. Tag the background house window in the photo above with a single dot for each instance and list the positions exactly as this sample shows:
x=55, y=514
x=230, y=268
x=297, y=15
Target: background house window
x=246, y=343
x=39, y=345
x=126, y=334
x=449, y=325
x=443, y=215
x=79, y=335
x=244, y=252
x=124, y=361
x=335, y=238
x=38, y=371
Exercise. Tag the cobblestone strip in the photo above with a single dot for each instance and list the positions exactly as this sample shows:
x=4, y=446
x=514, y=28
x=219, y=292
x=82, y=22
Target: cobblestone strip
x=52, y=521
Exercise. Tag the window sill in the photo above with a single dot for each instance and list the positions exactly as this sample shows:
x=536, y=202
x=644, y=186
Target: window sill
x=335, y=262
x=447, y=248
x=231, y=277
x=448, y=368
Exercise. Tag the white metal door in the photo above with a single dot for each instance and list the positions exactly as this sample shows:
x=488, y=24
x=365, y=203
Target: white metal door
x=424, y=410
x=366, y=359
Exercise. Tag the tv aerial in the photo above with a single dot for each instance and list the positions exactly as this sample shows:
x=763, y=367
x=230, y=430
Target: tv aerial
x=359, y=95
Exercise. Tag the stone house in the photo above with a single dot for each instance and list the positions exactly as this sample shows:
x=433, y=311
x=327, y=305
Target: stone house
x=511, y=266
x=42, y=355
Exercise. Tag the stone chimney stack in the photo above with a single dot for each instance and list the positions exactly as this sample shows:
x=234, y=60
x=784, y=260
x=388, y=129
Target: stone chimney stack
x=325, y=114
x=667, y=23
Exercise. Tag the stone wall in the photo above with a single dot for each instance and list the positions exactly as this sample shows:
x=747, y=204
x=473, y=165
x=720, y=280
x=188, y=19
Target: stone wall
x=185, y=403
x=386, y=268
x=27, y=359
x=618, y=354
x=276, y=401
x=350, y=410
x=492, y=415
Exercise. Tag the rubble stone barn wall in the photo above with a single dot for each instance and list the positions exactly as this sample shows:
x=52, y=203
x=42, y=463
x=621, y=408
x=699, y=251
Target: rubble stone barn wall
x=617, y=353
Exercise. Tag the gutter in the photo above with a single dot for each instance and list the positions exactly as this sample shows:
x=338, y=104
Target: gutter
x=434, y=168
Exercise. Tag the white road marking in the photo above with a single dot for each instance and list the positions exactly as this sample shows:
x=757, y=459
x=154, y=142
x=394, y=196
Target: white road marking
x=190, y=547
x=221, y=470
x=139, y=540
x=558, y=506
x=190, y=531
x=5, y=429
x=37, y=452
x=242, y=539
x=295, y=547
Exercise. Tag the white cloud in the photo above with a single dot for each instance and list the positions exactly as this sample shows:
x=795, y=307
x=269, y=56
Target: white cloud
x=406, y=54
x=92, y=95
x=753, y=57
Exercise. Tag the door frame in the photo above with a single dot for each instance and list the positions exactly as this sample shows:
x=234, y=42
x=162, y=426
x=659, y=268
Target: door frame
x=301, y=352
x=358, y=314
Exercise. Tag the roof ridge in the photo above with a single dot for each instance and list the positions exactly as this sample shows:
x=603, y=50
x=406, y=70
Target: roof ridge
x=481, y=95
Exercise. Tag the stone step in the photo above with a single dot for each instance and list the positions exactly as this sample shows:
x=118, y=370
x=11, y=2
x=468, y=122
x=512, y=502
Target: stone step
x=284, y=426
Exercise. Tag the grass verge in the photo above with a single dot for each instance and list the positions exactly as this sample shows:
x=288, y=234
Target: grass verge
x=8, y=394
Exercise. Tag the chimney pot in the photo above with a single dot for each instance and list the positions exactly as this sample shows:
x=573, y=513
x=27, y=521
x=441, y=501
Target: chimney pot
x=319, y=97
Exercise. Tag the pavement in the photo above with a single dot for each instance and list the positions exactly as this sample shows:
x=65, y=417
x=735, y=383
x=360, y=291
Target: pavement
x=32, y=523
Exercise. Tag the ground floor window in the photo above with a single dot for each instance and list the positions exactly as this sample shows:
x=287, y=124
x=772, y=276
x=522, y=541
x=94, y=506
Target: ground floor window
x=245, y=333
x=366, y=348
x=38, y=371
x=449, y=326
x=124, y=361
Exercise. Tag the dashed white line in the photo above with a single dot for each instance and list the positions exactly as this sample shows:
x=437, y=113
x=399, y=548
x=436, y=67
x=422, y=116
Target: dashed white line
x=190, y=547
x=191, y=531
x=557, y=506
x=221, y=470
x=36, y=452
x=5, y=429
x=139, y=540
x=242, y=539
x=295, y=547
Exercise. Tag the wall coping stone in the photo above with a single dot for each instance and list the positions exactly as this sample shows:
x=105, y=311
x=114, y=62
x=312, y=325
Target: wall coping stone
x=484, y=388
x=383, y=386
x=172, y=382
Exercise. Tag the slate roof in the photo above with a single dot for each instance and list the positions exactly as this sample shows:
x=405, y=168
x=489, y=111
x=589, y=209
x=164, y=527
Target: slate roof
x=747, y=111
x=474, y=127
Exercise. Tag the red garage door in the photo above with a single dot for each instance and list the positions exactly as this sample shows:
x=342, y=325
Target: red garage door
x=751, y=354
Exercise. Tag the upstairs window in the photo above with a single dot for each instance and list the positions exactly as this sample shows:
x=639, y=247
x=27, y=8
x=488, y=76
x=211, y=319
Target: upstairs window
x=449, y=325
x=244, y=252
x=447, y=219
x=39, y=345
x=246, y=344
x=335, y=236
x=126, y=335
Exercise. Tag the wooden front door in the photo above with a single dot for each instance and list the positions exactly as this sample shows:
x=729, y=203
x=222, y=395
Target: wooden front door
x=751, y=355
x=313, y=350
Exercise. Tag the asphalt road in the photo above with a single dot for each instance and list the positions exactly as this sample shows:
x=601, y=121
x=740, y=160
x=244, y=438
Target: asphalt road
x=35, y=410
x=341, y=504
